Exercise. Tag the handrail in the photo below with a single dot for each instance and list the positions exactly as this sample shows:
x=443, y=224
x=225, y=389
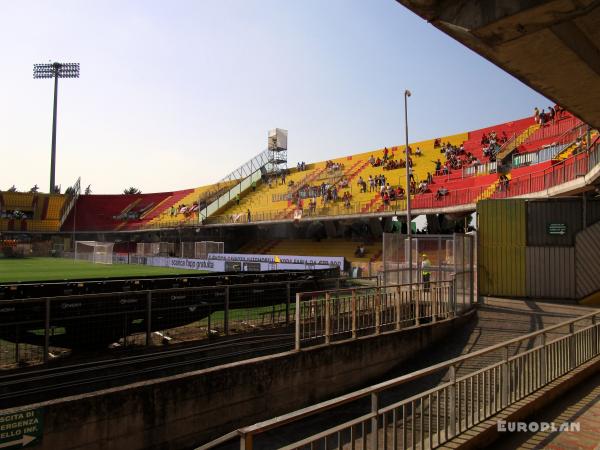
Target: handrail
x=68, y=206
x=379, y=387
x=248, y=167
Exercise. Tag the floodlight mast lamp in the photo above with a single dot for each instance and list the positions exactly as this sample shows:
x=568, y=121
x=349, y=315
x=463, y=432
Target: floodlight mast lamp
x=55, y=70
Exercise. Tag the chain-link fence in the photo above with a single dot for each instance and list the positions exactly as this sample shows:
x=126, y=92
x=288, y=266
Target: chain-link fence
x=431, y=258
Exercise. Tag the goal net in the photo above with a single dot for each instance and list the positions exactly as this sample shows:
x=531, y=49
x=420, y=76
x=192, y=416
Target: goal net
x=155, y=249
x=94, y=251
x=201, y=249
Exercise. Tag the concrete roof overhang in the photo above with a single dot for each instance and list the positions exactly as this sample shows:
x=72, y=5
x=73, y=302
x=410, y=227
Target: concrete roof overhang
x=552, y=46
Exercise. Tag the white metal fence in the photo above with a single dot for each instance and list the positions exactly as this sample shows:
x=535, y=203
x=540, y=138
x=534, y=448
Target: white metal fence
x=431, y=418
x=347, y=313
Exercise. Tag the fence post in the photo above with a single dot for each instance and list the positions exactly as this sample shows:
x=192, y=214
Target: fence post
x=594, y=336
x=453, y=298
x=226, y=311
x=47, y=332
x=378, y=311
x=452, y=403
x=353, y=313
x=398, y=305
x=543, y=362
x=433, y=295
x=417, y=299
x=572, y=358
x=374, y=421
x=505, y=379
x=327, y=319
x=149, y=318
x=288, y=295
x=297, y=314
x=246, y=442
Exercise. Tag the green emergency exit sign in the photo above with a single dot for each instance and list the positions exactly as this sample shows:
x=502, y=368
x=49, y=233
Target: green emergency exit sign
x=557, y=228
x=21, y=429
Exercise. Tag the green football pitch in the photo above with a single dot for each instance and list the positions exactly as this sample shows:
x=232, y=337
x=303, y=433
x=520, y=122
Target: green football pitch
x=45, y=269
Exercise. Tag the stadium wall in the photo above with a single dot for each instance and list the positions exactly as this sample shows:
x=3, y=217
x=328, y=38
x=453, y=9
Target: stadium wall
x=186, y=410
x=540, y=249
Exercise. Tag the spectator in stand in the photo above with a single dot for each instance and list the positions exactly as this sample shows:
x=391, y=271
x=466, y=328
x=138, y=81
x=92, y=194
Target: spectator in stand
x=437, y=143
x=371, y=183
x=536, y=115
x=363, y=186
x=503, y=183
x=422, y=187
x=441, y=193
x=249, y=216
x=372, y=160
x=543, y=117
x=173, y=211
x=400, y=192
x=385, y=154
x=386, y=198
x=418, y=152
x=558, y=111
x=429, y=178
x=551, y=113
x=438, y=166
x=360, y=251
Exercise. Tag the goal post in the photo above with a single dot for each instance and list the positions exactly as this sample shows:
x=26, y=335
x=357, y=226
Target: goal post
x=94, y=251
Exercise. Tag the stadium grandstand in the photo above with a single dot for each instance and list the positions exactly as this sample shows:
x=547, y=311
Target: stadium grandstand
x=259, y=310
x=450, y=173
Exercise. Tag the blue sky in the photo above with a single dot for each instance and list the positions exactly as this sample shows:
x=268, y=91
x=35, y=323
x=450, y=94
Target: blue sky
x=176, y=94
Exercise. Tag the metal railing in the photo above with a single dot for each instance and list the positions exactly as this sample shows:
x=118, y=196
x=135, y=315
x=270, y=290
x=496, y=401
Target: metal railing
x=34, y=330
x=433, y=417
x=324, y=316
x=70, y=201
x=248, y=167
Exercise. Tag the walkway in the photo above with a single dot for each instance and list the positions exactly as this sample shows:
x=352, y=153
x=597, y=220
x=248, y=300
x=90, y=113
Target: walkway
x=581, y=405
x=498, y=320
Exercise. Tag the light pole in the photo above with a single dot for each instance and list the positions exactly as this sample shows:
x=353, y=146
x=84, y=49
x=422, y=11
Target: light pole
x=408, y=170
x=55, y=70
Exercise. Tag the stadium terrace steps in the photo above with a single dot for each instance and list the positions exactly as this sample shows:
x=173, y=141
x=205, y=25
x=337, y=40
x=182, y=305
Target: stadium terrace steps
x=99, y=212
x=55, y=205
x=158, y=213
x=42, y=225
x=515, y=143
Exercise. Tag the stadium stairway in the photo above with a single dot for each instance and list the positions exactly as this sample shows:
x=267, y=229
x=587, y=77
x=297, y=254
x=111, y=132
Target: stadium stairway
x=348, y=173
x=515, y=143
x=156, y=214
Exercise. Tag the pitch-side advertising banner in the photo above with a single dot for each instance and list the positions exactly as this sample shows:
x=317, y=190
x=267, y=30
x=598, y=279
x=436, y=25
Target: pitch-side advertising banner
x=280, y=259
x=215, y=265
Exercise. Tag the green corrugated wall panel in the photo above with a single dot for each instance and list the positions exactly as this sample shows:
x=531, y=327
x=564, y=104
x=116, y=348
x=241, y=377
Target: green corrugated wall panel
x=501, y=247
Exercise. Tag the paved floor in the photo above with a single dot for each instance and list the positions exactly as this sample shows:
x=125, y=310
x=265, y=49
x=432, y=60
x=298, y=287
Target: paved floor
x=580, y=406
x=497, y=321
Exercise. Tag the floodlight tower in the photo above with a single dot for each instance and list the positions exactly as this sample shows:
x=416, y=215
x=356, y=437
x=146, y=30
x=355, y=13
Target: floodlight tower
x=55, y=70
